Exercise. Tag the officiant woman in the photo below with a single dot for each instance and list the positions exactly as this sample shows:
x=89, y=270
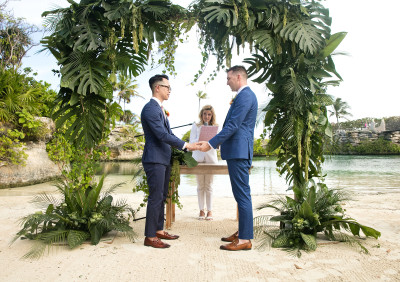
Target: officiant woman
x=204, y=182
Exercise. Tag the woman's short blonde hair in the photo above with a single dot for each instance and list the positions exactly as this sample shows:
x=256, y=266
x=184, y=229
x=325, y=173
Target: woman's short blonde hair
x=213, y=120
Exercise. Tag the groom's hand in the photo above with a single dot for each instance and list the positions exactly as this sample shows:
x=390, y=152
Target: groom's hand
x=204, y=146
x=192, y=146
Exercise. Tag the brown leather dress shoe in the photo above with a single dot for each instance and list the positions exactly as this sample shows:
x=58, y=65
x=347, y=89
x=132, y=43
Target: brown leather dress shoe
x=234, y=246
x=231, y=238
x=157, y=243
x=167, y=236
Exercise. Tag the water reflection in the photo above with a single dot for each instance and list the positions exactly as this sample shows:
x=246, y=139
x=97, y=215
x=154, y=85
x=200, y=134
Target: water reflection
x=359, y=173
x=356, y=173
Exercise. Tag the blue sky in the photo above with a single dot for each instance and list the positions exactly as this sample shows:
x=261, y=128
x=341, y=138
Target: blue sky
x=369, y=71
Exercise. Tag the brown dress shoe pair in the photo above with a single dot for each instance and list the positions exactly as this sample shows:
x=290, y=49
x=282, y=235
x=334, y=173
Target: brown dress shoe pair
x=235, y=246
x=167, y=236
x=231, y=238
x=156, y=243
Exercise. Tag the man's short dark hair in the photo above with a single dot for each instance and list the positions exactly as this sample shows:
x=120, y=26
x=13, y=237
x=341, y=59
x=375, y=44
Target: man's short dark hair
x=156, y=78
x=240, y=69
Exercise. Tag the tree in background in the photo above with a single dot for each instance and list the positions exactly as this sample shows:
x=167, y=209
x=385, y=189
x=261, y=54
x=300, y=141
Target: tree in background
x=200, y=95
x=340, y=110
x=126, y=88
x=15, y=39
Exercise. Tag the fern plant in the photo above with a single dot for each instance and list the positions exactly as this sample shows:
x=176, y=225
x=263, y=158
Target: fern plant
x=77, y=216
x=314, y=209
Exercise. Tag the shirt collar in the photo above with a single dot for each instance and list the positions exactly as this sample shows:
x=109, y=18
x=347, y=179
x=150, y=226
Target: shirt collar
x=241, y=88
x=158, y=101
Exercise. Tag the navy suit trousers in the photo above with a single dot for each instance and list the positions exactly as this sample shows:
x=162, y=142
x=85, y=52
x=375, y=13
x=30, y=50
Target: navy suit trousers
x=158, y=180
x=239, y=176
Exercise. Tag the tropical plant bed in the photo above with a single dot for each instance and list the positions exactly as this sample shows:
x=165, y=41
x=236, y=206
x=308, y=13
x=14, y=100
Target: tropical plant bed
x=107, y=238
x=80, y=215
x=314, y=211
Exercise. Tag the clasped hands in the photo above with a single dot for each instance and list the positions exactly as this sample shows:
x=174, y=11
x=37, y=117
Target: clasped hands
x=199, y=146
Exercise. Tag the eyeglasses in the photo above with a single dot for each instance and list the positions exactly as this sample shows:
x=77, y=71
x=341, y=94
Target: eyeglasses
x=166, y=86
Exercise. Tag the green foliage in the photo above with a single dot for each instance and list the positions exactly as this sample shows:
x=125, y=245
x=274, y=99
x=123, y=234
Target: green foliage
x=292, y=56
x=79, y=215
x=19, y=91
x=314, y=209
x=15, y=39
x=186, y=136
x=379, y=146
x=33, y=128
x=178, y=158
x=78, y=164
x=84, y=210
x=11, y=148
x=92, y=42
x=259, y=149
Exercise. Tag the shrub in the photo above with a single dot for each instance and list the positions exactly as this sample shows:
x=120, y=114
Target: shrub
x=314, y=209
x=379, y=146
x=78, y=216
x=11, y=148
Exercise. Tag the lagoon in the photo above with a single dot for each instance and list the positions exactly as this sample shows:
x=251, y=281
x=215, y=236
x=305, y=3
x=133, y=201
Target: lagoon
x=359, y=174
x=354, y=173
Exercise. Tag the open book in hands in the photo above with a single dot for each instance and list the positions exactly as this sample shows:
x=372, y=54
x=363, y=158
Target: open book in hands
x=207, y=132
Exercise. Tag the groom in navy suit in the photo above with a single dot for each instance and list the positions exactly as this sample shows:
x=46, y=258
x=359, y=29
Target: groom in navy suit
x=236, y=139
x=156, y=160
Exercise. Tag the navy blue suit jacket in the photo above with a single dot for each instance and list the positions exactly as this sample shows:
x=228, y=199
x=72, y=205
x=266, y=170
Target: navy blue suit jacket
x=158, y=135
x=237, y=135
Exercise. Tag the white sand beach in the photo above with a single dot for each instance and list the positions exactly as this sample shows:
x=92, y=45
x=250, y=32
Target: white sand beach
x=196, y=256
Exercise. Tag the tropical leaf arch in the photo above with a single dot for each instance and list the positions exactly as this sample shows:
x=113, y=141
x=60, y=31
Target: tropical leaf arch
x=290, y=41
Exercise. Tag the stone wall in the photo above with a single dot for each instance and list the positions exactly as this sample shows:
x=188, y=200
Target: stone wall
x=355, y=137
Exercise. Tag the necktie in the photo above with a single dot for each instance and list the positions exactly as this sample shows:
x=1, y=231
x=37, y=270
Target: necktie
x=162, y=109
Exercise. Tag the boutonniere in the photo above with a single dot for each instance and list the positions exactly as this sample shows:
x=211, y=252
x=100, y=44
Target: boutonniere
x=233, y=99
x=166, y=112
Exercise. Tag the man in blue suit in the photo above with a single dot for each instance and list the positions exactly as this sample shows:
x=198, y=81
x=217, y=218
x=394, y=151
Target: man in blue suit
x=236, y=139
x=156, y=160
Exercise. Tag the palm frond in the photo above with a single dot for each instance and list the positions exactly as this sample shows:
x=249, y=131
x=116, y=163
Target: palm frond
x=76, y=238
x=44, y=240
x=42, y=200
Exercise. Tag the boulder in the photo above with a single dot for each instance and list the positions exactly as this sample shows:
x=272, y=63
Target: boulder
x=38, y=169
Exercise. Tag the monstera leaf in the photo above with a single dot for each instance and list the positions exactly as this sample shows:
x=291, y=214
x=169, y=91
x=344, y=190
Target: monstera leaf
x=306, y=34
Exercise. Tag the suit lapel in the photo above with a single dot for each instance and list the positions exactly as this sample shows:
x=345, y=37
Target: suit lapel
x=160, y=111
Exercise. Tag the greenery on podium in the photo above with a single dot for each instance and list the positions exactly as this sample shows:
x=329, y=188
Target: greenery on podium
x=178, y=158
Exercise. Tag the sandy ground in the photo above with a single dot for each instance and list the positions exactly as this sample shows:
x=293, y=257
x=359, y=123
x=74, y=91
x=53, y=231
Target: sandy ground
x=196, y=256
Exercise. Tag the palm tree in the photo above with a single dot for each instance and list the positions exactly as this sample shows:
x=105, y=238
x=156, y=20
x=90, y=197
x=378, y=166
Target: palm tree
x=201, y=95
x=340, y=110
x=127, y=89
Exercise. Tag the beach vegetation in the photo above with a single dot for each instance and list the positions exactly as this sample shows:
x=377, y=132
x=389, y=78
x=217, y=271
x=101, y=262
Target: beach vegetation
x=12, y=150
x=315, y=210
x=79, y=215
x=85, y=209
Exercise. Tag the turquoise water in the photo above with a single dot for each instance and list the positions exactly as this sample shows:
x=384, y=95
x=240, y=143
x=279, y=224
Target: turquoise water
x=355, y=173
